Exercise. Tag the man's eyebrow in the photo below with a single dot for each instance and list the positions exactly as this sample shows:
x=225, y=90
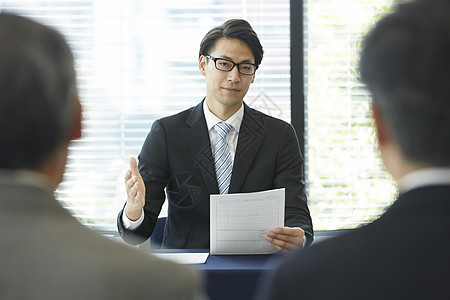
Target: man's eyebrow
x=244, y=61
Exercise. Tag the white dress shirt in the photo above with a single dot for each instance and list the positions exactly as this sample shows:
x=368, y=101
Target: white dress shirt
x=424, y=177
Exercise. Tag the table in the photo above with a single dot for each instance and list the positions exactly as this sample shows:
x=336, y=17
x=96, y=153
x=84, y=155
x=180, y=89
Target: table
x=232, y=276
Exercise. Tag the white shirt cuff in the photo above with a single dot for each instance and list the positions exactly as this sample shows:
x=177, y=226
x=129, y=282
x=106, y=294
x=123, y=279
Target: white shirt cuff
x=131, y=225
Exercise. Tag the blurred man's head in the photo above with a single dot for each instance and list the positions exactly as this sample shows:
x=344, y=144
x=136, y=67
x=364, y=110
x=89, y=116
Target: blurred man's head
x=405, y=62
x=39, y=108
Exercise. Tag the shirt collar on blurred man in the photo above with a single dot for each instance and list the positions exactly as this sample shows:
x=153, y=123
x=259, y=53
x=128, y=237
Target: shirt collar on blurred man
x=424, y=177
x=25, y=177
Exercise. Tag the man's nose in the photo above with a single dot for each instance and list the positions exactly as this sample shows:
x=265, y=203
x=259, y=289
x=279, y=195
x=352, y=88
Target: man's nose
x=234, y=74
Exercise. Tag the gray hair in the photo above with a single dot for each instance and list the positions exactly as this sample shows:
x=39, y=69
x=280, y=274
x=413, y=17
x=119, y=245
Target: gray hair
x=405, y=63
x=37, y=91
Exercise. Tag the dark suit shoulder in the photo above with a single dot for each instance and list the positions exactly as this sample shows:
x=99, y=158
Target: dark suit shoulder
x=187, y=117
x=403, y=251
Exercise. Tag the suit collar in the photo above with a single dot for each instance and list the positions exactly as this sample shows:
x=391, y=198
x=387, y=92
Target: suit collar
x=196, y=115
x=197, y=138
x=25, y=177
x=24, y=190
x=420, y=203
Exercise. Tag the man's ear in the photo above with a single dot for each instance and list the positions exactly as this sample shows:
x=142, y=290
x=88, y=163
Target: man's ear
x=202, y=65
x=75, y=129
x=380, y=125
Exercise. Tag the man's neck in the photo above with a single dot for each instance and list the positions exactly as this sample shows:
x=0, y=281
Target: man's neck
x=223, y=112
x=54, y=167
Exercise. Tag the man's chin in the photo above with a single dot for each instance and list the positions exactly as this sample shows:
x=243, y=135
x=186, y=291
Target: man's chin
x=233, y=103
x=231, y=99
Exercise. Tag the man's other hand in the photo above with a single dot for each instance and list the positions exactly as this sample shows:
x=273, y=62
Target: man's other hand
x=286, y=239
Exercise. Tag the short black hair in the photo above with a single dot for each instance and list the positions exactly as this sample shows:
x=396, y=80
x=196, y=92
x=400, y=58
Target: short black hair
x=233, y=29
x=37, y=91
x=405, y=63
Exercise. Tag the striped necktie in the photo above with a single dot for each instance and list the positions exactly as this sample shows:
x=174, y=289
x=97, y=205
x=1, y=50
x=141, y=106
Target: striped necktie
x=222, y=157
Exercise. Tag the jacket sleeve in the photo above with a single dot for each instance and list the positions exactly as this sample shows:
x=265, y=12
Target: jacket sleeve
x=289, y=174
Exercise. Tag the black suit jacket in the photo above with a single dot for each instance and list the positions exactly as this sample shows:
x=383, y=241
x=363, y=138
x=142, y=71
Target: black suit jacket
x=405, y=254
x=176, y=156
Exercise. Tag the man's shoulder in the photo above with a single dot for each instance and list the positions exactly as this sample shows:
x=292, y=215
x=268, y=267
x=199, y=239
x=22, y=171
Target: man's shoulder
x=161, y=278
x=141, y=270
x=94, y=266
x=181, y=117
x=333, y=253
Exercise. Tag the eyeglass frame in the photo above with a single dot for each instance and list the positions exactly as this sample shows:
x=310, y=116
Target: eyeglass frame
x=214, y=59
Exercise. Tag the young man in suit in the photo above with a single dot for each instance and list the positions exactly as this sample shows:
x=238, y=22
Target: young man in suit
x=405, y=63
x=46, y=253
x=178, y=154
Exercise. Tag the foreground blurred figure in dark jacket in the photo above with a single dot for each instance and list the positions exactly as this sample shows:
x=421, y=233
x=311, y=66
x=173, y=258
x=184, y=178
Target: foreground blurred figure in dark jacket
x=405, y=63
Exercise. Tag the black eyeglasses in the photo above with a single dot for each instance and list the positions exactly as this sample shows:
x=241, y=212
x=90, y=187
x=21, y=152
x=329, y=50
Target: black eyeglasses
x=223, y=64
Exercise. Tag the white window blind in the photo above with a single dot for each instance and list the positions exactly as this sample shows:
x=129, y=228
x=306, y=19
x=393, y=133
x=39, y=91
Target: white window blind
x=347, y=184
x=137, y=61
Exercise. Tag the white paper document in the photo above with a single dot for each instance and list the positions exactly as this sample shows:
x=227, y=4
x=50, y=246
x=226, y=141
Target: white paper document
x=239, y=222
x=184, y=258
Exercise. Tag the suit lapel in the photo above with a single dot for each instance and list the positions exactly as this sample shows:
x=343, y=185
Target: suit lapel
x=197, y=139
x=251, y=136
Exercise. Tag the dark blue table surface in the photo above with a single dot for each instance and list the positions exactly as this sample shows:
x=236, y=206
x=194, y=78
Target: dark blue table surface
x=232, y=276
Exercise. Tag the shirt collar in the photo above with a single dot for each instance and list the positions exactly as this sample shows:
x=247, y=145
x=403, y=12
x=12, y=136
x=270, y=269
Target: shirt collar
x=235, y=120
x=25, y=177
x=424, y=177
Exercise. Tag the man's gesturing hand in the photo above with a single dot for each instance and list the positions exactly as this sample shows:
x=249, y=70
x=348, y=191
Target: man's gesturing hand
x=135, y=191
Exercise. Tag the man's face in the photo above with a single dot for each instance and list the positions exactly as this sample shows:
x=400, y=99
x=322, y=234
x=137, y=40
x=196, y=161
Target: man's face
x=225, y=91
